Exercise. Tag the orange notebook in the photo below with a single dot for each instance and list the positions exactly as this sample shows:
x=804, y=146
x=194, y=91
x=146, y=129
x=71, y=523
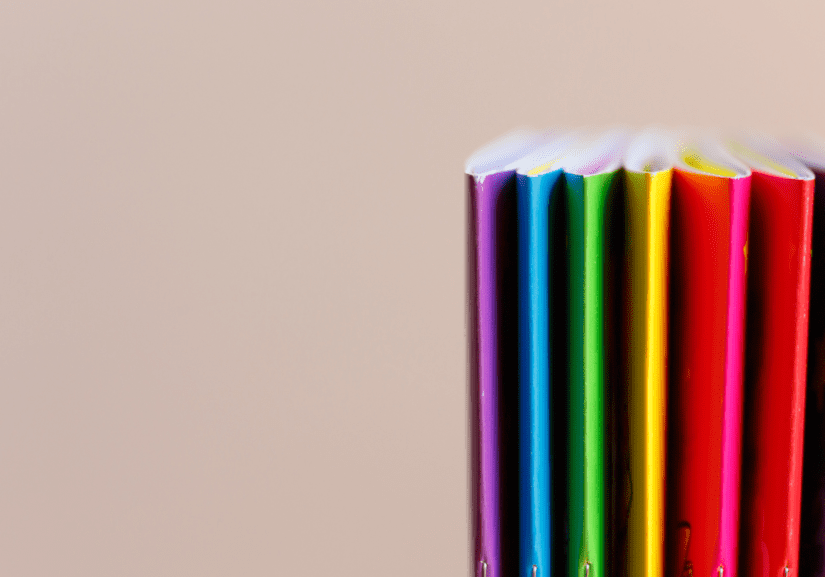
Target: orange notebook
x=708, y=251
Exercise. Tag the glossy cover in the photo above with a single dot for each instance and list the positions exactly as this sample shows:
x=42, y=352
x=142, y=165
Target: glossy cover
x=708, y=255
x=647, y=201
x=534, y=207
x=589, y=200
x=779, y=252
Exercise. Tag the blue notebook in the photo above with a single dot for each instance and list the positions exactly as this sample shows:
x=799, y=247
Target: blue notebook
x=539, y=178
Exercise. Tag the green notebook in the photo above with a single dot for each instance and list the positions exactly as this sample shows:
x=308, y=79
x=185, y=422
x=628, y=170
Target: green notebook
x=591, y=185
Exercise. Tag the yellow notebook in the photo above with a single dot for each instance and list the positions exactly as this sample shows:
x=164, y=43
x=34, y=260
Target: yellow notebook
x=648, y=172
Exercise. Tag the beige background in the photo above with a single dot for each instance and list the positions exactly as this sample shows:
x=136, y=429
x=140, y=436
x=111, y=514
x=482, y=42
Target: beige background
x=231, y=247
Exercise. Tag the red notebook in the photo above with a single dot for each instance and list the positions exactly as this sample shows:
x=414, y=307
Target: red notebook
x=782, y=194
x=812, y=519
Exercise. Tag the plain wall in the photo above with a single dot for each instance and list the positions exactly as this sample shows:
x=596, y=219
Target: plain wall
x=232, y=256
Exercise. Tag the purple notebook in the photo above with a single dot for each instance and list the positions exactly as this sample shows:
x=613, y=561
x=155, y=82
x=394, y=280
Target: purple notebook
x=491, y=186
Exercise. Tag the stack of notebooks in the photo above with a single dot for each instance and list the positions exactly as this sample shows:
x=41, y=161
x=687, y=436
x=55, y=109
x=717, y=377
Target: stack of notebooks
x=647, y=355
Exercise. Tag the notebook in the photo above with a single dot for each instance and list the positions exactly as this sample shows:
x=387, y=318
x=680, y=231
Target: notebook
x=708, y=251
x=490, y=178
x=779, y=253
x=592, y=180
x=539, y=184
x=648, y=174
x=812, y=531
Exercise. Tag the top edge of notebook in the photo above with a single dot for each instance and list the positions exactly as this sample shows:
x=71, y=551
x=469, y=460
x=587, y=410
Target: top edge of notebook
x=500, y=154
x=652, y=150
x=808, y=149
x=547, y=157
x=705, y=154
x=764, y=154
x=597, y=153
